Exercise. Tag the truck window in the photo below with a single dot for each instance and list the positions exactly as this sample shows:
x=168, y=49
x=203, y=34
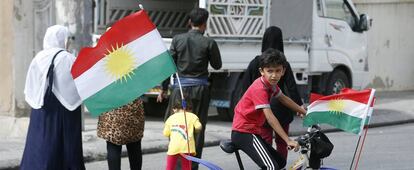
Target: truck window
x=339, y=10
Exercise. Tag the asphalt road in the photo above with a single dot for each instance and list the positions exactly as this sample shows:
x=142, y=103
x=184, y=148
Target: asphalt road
x=385, y=148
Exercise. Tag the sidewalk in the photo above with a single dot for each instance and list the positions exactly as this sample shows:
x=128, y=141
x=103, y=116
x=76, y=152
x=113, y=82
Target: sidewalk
x=391, y=108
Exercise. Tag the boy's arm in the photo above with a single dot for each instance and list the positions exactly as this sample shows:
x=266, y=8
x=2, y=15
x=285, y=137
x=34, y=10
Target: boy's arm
x=292, y=105
x=215, y=57
x=274, y=123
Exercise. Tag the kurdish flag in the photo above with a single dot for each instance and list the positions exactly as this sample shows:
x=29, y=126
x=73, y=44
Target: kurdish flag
x=346, y=111
x=371, y=107
x=129, y=59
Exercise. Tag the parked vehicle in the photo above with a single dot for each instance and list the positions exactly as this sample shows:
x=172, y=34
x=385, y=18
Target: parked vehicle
x=325, y=40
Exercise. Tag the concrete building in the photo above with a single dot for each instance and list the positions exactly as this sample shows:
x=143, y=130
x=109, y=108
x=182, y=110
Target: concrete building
x=390, y=43
x=23, y=24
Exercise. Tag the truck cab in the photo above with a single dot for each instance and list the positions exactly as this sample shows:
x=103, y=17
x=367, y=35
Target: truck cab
x=325, y=40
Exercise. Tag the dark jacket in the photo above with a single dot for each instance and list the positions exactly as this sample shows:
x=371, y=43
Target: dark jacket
x=273, y=39
x=192, y=52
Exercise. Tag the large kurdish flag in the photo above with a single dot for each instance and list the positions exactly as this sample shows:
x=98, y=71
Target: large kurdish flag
x=129, y=59
x=346, y=111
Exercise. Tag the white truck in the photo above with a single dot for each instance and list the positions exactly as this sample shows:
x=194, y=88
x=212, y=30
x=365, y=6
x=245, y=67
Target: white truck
x=325, y=40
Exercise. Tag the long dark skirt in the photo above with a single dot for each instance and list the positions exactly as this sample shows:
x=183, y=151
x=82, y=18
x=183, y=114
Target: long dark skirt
x=200, y=99
x=54, y=139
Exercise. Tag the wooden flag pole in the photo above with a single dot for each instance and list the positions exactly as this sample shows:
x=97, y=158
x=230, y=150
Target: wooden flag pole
x=356, y=149
x=362, y=145
x=184, y=105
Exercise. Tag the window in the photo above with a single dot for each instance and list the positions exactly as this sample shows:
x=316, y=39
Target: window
x=339, y=10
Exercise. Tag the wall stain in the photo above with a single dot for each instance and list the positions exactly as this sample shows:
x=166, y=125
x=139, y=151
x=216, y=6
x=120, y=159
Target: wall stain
x=387, y=43
x=17, y=14
x=379, y=83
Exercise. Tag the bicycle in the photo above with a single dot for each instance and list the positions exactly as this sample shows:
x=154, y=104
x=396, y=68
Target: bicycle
x=309, y=157
x=313, y=147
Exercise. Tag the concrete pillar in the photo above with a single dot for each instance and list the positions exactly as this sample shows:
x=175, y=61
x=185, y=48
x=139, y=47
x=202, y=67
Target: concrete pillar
x=78, y=16
x=6, y=48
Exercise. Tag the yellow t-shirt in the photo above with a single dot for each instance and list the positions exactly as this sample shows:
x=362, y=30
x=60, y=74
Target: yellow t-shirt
x=175, y=129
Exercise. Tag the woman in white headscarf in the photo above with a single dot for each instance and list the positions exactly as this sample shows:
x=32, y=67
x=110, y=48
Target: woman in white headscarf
x=54, y=139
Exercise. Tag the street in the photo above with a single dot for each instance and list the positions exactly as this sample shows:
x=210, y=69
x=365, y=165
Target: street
x=385, y=148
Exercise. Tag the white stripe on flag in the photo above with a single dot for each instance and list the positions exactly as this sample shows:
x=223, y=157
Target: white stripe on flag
x=144, y=48
x=350, y=107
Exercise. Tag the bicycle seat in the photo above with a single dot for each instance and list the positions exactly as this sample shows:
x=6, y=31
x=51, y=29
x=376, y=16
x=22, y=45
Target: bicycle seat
x=227, y=146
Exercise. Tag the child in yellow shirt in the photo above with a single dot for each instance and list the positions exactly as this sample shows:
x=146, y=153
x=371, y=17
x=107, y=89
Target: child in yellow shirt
x=175, y=129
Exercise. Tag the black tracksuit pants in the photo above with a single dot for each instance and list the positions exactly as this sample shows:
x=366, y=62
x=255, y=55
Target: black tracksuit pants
x=263, y=154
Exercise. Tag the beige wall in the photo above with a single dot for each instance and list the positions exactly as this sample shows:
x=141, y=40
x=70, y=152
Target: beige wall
x=390, y=43
x=6, y=48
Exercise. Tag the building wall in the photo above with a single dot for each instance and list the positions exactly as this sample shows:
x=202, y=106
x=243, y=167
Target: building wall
x=6, y=31
x=22, y=31
x=23, y=50
x=391, y=45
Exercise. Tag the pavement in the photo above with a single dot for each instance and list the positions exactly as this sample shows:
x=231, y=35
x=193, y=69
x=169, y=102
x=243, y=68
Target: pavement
x=391, y=108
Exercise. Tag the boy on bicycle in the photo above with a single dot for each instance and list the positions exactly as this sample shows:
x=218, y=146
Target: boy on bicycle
x=253, y=110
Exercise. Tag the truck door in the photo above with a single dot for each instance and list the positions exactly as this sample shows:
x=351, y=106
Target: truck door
x=346, y=46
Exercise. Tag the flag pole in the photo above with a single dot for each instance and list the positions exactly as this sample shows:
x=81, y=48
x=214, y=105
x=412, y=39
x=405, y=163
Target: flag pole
x=184, y=105
x=362, y=145
x=356, y=148
x=370, y=100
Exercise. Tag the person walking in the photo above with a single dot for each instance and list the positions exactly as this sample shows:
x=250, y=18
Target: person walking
x=273, y=38
x=123, y=126
x=54, y=138
x=192, y=52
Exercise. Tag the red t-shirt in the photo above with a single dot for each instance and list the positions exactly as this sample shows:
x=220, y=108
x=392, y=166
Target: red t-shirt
x=248, y=114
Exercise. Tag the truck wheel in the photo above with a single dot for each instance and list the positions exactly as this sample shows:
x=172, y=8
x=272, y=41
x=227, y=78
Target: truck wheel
x=337, y=81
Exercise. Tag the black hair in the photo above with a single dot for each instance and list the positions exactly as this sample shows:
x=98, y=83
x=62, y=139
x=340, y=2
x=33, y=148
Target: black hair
x=272, y=57
x=178, y=104
x=198, y=16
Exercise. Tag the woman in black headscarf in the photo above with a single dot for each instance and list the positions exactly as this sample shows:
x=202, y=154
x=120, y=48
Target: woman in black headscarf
x=273, y=38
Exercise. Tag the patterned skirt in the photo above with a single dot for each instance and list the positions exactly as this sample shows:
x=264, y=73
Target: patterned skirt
x=124, y=124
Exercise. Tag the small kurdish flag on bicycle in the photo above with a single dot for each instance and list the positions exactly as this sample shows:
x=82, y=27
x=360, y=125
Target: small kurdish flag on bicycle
x=129, y=59
x=371, y=107
x=347, y=111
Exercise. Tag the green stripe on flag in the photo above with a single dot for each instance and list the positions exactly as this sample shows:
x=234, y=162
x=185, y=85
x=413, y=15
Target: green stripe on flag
x=337, y=119
x=143, y=78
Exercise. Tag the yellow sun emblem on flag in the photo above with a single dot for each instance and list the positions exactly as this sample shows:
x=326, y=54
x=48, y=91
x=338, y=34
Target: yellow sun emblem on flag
x=120, y=62
x=336, y=106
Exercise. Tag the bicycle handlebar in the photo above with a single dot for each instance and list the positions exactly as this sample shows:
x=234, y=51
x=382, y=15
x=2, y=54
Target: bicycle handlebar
x=303, y=140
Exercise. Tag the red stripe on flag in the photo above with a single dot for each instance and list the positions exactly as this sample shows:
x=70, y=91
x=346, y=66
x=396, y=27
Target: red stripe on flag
x=123, y=31
x=314, y=97
x=358, y=96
